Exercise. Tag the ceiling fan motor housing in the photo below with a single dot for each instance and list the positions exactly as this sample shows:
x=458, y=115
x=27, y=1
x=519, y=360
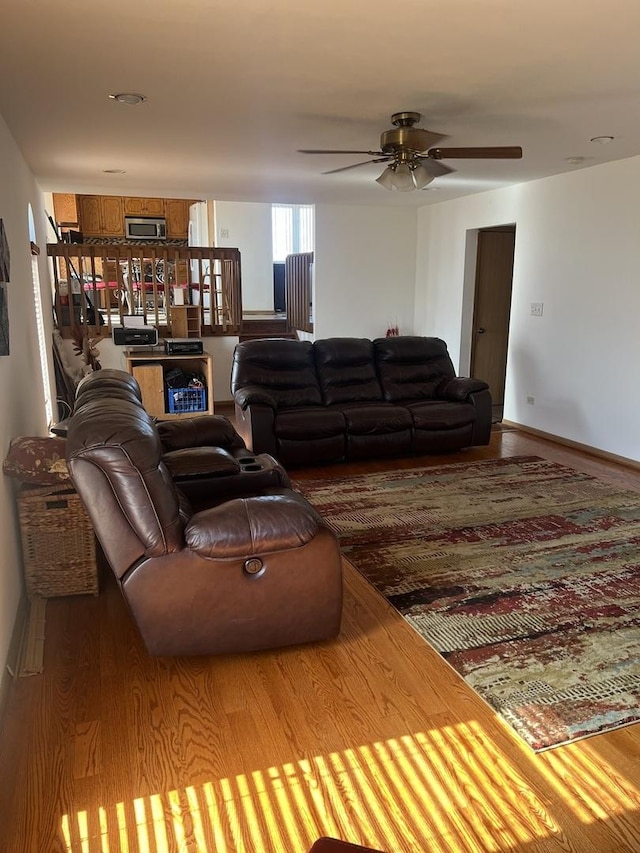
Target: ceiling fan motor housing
x=405, y=139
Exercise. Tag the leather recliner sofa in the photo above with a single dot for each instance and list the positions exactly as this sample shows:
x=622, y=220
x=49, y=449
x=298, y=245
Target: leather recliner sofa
x=244, y=573
x=353, y=398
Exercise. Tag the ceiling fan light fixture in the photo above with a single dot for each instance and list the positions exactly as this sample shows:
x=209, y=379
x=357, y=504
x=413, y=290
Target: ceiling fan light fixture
x=421, y=176
x=403, y=178
x=387, y=178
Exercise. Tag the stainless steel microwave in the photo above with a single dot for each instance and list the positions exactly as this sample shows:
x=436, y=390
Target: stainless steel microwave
x=145, y=228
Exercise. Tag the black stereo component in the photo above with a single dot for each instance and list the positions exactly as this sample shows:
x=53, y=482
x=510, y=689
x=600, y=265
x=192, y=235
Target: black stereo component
x=183, y=346
x=143, y=336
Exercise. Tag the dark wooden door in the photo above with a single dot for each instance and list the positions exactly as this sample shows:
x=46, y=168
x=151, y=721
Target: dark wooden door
x=492, y=306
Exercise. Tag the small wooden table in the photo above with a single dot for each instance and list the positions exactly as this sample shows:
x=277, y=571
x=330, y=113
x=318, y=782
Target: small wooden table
x=149, y=368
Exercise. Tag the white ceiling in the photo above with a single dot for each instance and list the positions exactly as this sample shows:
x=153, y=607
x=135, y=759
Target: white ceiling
x=235, y=88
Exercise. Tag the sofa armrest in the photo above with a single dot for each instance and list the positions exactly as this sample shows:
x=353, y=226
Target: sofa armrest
x=459, y=388
x=483, y=404
x=254, y=395
x=255, y=525
x=200, y=461
x=256, y=425
x=203, y=431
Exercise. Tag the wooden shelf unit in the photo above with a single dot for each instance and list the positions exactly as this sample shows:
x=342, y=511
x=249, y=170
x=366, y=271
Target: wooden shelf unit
x=149, y=369
x=185, y=321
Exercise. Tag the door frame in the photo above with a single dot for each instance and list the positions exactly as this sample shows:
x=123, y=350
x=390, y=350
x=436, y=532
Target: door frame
x=469, y=296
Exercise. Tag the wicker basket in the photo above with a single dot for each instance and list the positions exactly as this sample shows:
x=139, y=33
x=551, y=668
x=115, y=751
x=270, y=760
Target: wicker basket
x=58, y=543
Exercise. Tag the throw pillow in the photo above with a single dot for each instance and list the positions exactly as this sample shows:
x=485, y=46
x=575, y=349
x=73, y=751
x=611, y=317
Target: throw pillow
x=34, y=459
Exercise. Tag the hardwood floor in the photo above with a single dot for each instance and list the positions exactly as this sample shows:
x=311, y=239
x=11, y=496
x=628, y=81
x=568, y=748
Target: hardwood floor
x=370, y=738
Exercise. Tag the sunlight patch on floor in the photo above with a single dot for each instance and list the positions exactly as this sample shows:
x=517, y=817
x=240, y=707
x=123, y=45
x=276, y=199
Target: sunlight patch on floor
x=447, y=789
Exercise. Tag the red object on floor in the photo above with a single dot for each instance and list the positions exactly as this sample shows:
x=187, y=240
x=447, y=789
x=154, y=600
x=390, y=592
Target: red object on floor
x=334, y=845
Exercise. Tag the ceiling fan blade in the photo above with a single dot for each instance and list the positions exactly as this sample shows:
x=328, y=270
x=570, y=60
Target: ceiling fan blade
x=355, y=165
x=434, y=167
x=512, y=152
x=332, y=151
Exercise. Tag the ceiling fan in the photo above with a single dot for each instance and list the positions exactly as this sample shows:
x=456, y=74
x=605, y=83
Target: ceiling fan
x=412, y=162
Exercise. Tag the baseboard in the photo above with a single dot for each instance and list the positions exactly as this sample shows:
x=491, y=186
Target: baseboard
x=10, y=670
x=576, y=445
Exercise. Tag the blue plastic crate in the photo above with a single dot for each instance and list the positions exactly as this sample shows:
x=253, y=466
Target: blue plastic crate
x=187, y=400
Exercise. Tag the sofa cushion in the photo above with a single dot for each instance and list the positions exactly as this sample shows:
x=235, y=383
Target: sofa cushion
x=438, y=415
x=410, y=367
x=309, y=423
x=346, y=370
x=284, y=369
x=375, y=418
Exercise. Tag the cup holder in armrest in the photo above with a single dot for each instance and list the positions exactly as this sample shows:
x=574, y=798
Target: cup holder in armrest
x=250, y=463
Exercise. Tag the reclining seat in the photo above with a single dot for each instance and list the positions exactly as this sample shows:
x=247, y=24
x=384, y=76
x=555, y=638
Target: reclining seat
x=205, y=455
x=347, y=375
x=448, y=412
x=279, y=406
x=245, y=574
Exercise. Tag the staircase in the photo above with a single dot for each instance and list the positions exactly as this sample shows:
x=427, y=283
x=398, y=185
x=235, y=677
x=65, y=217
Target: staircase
x=267, y=327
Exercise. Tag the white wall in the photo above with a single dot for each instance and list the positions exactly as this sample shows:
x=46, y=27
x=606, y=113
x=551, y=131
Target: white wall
x=578, y=252
x=249, y=229
x=364, y=270
x=22, y=412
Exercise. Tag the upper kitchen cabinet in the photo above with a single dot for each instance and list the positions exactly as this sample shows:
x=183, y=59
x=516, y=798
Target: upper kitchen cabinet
x=65, y=209
x=176, y=211
x=101, y=215
x=144, y=206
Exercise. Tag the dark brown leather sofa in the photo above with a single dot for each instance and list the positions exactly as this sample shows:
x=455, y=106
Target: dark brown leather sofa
x=352, y=398
x=244, y=573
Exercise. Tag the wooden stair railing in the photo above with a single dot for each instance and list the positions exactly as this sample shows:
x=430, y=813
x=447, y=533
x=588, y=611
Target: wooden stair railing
x=97, y=286
x=299, y=293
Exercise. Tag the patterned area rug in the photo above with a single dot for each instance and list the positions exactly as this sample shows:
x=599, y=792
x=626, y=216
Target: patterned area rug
x=523, y=574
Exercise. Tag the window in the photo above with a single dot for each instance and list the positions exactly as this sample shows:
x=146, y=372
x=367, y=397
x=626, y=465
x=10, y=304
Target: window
x=291, y=229
x=40, y=325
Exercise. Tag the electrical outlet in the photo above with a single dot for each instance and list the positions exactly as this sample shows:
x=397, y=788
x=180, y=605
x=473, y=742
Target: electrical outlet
x=531, y=400
x=536, y=309
x=224, y=233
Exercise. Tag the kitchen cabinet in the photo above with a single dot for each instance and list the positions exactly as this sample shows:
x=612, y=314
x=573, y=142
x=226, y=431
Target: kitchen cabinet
x=112, y=215
x=144, y=206
x=90, y=216
x=65, y=209
x=150, y=369
x=101, y=215
x=176, y=211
